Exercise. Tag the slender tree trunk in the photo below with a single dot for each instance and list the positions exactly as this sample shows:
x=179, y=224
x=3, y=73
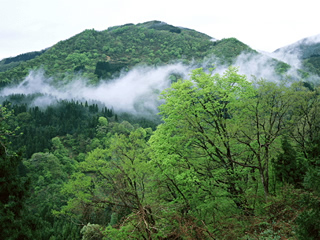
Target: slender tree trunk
x=265, y=183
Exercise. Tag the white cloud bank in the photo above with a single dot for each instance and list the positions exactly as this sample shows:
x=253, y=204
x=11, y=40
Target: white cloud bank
x=137, y=91
x=131, y=92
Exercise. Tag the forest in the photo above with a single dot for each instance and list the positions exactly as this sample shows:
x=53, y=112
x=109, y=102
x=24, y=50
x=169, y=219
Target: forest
x=227, y=158
x=103, y=54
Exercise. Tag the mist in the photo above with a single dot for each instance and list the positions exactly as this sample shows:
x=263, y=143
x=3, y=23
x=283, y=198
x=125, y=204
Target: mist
x=292, y=54
x=290, y=57
x=138, y=90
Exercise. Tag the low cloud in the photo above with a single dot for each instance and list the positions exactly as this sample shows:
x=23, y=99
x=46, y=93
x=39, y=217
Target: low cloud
x=137, y=91
x=290, y=57
x=292, y=54
x=311, y=40
x=258, y=65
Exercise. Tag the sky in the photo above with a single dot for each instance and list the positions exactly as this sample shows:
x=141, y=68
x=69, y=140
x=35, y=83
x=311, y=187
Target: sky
x=33, y=25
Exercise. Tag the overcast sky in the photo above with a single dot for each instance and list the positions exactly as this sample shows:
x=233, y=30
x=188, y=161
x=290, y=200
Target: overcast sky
x=31, y=25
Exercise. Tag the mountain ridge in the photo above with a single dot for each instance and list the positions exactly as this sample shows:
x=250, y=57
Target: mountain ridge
x=97, y=55
x=101, y=54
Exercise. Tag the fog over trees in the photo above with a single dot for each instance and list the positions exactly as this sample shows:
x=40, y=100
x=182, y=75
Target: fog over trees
x=151, y=131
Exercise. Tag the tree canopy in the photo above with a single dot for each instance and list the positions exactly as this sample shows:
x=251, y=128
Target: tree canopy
x=230, y=158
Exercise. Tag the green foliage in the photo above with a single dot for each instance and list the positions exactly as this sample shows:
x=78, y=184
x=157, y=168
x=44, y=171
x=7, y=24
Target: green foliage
x=227, y=49
x=288, y=167
x=281, y=67
x=308, y=223
x=312, y=64
x=13, y=192
x=231, y=159
x=8, y=126
x=39, y=125
x=101, y=54
x=192, y=149
x=13, y=187
x=91, y=232
x=12, y=62
x=112, y=179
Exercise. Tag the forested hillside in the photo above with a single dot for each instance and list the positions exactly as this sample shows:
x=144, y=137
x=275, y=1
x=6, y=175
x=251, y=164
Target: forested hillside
x=307, y=51
x=229, y=156
x=231, y=159
x=100, y=54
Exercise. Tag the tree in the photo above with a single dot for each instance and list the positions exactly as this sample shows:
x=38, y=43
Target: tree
x=13, y=187
x=288, y=167
x=195, y=149
x=218, y=138
x=306, y=132
x=306, y=137
x=47, y=175
x=264, y=119
x=7, y=128
x=113, y=181
x=13, y=194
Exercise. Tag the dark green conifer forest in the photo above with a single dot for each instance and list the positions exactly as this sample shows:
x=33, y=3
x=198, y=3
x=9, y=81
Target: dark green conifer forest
x=227, y=157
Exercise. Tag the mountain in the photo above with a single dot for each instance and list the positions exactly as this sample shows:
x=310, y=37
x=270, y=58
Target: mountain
x=101, y=54
x=96, y=55
x=306, y=51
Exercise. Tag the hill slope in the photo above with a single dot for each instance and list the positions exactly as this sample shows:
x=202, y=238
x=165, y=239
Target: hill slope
x=101, y=54
x=307, y=51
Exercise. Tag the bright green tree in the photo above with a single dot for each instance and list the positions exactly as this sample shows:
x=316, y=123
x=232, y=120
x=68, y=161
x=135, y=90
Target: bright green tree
x=263, y=120
x=113, y=181
x=219, y=135
x=195, y=149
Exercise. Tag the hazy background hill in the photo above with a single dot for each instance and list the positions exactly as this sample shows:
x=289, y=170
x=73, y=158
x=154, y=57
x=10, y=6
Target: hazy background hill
x=304, y=53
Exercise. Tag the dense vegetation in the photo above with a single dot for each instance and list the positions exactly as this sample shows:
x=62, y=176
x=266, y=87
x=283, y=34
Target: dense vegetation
x=12, y=62
x=226, y=158
x=312, y=64
x=101, y=54
x=232, y=159
x=62, y=118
